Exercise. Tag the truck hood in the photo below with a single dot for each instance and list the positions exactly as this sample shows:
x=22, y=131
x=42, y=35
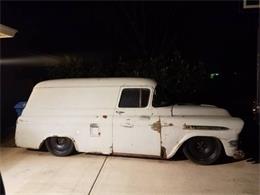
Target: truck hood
x=198, y=110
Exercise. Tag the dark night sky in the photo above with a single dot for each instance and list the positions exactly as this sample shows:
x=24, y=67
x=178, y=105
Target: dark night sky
x=220, y=34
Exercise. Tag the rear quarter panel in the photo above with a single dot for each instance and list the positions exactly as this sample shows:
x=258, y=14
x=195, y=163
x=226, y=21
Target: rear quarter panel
x=32, y=131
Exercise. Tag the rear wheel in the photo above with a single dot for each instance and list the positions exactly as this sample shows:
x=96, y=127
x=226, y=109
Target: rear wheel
x=60, y=146
x=203, y=150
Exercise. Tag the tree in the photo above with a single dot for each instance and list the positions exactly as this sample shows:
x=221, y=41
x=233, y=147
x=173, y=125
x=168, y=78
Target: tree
x=184, y=80
x=149, y=26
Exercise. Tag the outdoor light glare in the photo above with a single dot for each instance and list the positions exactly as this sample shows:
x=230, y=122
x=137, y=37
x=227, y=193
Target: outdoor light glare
x=6, y=32
x=43, y=60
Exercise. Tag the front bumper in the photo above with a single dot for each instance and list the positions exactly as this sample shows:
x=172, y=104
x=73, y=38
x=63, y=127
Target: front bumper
x=230, y=147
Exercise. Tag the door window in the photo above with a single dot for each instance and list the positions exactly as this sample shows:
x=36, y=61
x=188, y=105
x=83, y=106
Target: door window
x=134, y=98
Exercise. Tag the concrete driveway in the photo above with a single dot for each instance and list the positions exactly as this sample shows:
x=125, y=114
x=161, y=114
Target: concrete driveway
x=33, y=172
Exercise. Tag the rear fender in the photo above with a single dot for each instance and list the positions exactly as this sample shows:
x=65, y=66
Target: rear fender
x=72, y=139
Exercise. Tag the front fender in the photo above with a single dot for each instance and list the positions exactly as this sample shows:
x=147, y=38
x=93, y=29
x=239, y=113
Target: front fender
x=228, y=148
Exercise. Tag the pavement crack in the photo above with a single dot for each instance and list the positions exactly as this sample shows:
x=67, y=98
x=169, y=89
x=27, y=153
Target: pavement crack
x=97, y=176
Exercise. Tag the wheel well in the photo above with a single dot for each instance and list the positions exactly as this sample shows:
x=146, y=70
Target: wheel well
x=43, y=143
x=183, y=144
x=42, y=146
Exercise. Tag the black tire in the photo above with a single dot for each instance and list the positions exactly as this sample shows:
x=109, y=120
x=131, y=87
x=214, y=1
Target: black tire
x=60, y=146
x=203, y=150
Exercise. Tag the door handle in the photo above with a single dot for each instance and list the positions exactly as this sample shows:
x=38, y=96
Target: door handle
x=120, y=112
x=128, y=125
x=145, y=117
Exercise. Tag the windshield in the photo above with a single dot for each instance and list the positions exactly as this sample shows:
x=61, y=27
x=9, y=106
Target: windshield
x=161, y=97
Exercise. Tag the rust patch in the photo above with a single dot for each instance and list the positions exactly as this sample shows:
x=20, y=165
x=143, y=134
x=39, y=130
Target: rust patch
x=239, y=154
x=157, y=126
x=163, y=152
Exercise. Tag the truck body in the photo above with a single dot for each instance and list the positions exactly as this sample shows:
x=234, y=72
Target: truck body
x=117, y=116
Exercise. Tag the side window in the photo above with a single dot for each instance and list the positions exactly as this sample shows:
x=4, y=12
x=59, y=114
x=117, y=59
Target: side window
x=144, y=96
x=134, y=98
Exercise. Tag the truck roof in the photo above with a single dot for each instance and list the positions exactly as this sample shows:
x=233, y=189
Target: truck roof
x=84, y=82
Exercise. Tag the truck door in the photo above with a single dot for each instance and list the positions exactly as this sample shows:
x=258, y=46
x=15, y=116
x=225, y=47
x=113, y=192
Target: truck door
x=133, y=123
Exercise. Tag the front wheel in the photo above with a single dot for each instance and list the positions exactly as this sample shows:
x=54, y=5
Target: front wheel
x=60, y=146
x=203, y=150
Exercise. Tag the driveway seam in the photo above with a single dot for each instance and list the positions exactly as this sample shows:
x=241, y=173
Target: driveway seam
x=97, y=176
